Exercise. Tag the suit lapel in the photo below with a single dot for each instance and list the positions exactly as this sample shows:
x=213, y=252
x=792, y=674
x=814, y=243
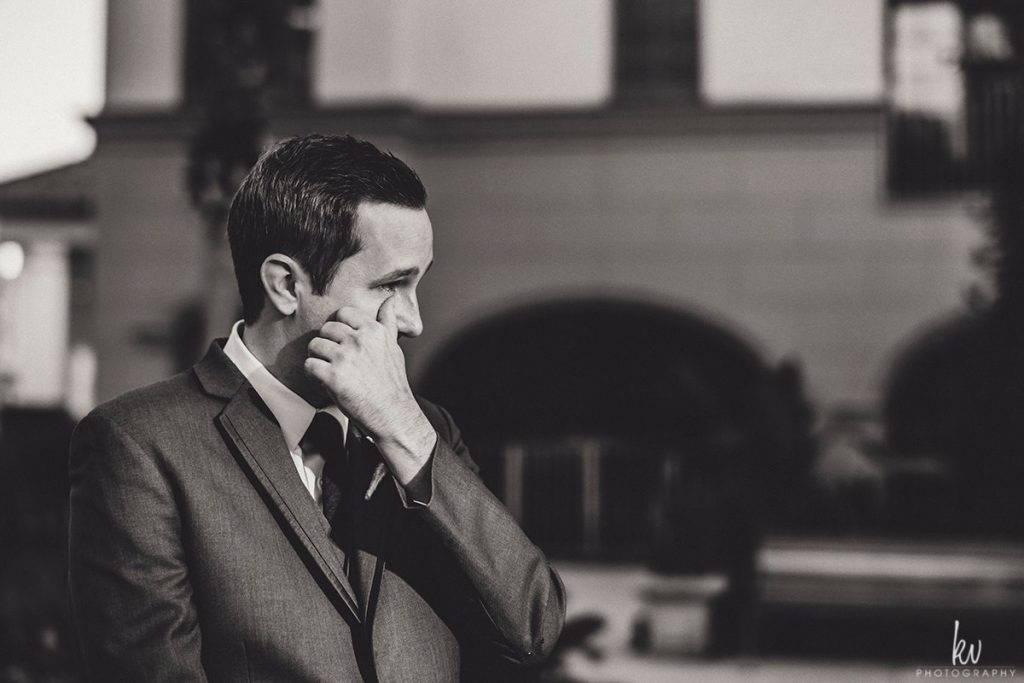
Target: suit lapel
x=257, y=439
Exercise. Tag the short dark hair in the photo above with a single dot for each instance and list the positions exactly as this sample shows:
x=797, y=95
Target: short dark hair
x=301, y=198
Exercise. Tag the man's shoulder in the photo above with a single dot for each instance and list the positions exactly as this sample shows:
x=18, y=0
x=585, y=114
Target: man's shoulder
x=178, y=397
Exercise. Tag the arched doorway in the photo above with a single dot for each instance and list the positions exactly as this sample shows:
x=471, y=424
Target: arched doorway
x=620, y=429
x=954, y=401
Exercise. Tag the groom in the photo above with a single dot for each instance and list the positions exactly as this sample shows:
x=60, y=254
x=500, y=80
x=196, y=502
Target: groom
x=288, y=509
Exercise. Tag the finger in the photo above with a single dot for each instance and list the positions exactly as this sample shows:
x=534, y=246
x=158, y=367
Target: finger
x=386, y=317
x=318, y=369
x=336, y=331
x=322, y=348
x=353, y=317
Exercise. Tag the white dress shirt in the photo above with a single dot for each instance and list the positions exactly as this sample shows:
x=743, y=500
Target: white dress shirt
x=292, y=412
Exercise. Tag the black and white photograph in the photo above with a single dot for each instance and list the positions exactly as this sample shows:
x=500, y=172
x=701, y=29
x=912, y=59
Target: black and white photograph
x=553, y=341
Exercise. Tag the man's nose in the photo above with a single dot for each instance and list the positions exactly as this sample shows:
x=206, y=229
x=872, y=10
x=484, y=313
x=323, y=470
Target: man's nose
x=408, y=317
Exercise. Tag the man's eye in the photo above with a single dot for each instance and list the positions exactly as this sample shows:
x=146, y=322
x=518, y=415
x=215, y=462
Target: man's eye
x=388, y=287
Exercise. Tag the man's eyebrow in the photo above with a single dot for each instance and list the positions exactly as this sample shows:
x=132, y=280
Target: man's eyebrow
x=400, y=274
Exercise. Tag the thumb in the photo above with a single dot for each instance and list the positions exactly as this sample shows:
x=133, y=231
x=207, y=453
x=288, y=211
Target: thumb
x=386, y=317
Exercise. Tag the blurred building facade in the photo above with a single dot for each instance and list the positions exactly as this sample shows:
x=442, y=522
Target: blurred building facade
x=752, y=194
x=660, y=227
x=719, y=162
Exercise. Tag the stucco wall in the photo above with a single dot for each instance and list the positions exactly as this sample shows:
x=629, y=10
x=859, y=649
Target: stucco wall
x=464, y=53
x=148, y=258
x=785, y=237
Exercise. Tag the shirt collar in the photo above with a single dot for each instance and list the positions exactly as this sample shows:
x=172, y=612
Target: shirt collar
x=292, y=412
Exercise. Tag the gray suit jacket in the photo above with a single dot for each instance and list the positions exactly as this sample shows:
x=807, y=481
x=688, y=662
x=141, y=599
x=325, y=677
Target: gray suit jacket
x=197, y=554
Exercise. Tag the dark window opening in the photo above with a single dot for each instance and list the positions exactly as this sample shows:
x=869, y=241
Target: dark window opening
x=239, y=46
x=83, y=294
x=954, y=93
x=656, y=56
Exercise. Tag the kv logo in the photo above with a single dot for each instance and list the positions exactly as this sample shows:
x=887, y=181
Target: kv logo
x=961, y=658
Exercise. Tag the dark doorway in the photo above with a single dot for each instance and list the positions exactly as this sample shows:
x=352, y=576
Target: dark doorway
x=954, y=399
x=618, y=429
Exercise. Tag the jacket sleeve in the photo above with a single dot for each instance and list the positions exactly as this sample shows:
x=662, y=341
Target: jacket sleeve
x=520, y=594
x=131, y=599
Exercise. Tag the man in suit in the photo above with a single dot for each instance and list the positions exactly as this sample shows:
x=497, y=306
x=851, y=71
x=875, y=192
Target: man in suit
x=288, y=510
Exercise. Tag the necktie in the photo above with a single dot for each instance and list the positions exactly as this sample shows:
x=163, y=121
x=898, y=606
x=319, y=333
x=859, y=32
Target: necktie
x=324, y=435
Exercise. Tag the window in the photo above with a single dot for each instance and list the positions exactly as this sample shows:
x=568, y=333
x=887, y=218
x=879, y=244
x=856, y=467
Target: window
x=954, y=93
x=656, y=58
x=238, y=49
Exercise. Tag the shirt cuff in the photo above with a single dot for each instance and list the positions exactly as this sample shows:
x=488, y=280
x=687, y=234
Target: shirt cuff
x=420, y=489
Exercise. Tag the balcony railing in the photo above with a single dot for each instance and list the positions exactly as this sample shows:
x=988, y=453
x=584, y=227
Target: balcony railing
x=599, y=498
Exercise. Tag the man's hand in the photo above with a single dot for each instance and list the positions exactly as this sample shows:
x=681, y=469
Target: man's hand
x=359, y=362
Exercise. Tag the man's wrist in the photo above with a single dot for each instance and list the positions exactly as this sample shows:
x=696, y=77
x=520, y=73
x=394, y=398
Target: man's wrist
x=409, y=449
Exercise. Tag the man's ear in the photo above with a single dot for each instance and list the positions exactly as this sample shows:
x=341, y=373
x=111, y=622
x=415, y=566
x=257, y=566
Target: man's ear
x=279, y=274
